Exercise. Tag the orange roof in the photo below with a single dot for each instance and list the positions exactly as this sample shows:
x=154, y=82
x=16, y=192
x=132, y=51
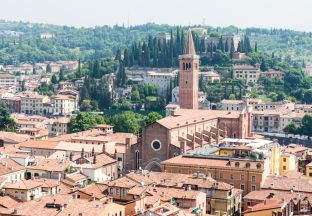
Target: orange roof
x=187, y=116
x=40, y=144
x=179, y=160
x=266, y=205
x=24, y=185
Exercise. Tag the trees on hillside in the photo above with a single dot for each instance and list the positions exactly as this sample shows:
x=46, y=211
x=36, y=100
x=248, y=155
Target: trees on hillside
x=84, y=121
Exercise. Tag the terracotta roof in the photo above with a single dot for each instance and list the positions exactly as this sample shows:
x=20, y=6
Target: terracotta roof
x=123, y=182
x=11, y=137
x=7, y=165
x=266, y=205
x=24, y=185
x=302, y=184
x=179, y=160
x=8, y=202
x=140, y=178
x=294, y=148
x=101, y=160
x=174, y=192
x=73, y=206
x=39, y=144
x=181, y=116
x=51, y=165
x=74, y=177
x=96, y=190
x=262, y=195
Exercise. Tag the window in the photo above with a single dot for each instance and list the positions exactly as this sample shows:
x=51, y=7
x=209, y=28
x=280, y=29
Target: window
x=284, y=159
x=221, y=175
x=284, y=167
x=231, y=176
x=156, y=145
x=258, y=166
x=253, y=187
x=253, y=178
x=247, y=165
x=242, y=187
x=242, y=177
x=236, y=164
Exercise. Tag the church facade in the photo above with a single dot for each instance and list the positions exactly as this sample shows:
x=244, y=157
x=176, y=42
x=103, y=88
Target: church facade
x=188, y=127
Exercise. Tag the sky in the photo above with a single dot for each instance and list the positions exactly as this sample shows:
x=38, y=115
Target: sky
x=291, y=14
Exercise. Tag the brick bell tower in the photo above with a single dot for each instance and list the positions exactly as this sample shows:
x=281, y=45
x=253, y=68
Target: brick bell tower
x=188, y=72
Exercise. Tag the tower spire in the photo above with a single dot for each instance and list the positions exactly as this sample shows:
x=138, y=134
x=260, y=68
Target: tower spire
x=189, y=48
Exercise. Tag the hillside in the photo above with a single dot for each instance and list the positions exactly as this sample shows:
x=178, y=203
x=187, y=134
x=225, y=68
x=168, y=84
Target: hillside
x=23, y=42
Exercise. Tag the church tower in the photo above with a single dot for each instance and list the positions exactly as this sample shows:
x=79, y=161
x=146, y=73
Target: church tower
x=188, y=75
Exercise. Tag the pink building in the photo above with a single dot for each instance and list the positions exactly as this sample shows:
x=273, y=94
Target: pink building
x=274, y=74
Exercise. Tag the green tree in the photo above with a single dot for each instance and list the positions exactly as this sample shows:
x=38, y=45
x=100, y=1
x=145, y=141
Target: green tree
x=152, y=117
x=86, y=106
x=306, y=127
x=6, y=122
x=291, y=128
x=84, y=121
x=127, y=122
x=135, y=96
x=49, y=68
x=307, y=98
x=54, y=79
x=61, y=75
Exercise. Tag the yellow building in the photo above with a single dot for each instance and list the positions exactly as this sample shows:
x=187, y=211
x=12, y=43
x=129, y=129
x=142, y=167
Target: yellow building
x=309, y=169
x=227, y=151
x=287, y=163
x=275, y=159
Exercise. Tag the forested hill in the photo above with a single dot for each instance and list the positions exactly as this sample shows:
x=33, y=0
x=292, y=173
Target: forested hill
x=23, y=42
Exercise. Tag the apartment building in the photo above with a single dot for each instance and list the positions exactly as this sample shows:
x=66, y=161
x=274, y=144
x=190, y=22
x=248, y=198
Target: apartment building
x=303, y=108
x=64, y=105
x=247, y=73
x=243, y=166
x=162, y=80
x=273, y=74
x=256, y=105
x=274, y=121
x=32, y=103
x=7, y=80
x=13, y=104
x=209, y=76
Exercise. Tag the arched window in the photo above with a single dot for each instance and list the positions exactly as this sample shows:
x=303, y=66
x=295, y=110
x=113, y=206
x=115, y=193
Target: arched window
x=258, y=165
x=236, y=164
x=190, y=66
x=183, y=66
x=247, y=165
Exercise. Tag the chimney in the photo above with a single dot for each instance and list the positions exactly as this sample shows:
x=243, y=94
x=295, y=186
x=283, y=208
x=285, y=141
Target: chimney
x=128, y=141
x=93, y=197
x=182, y=147
x=92, y=153
x=94, y=159
x=104, y=148
x=82, y=152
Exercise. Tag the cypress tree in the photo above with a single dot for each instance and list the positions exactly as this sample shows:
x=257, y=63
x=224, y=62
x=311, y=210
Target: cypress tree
x=226, y=46
x=256, y=47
